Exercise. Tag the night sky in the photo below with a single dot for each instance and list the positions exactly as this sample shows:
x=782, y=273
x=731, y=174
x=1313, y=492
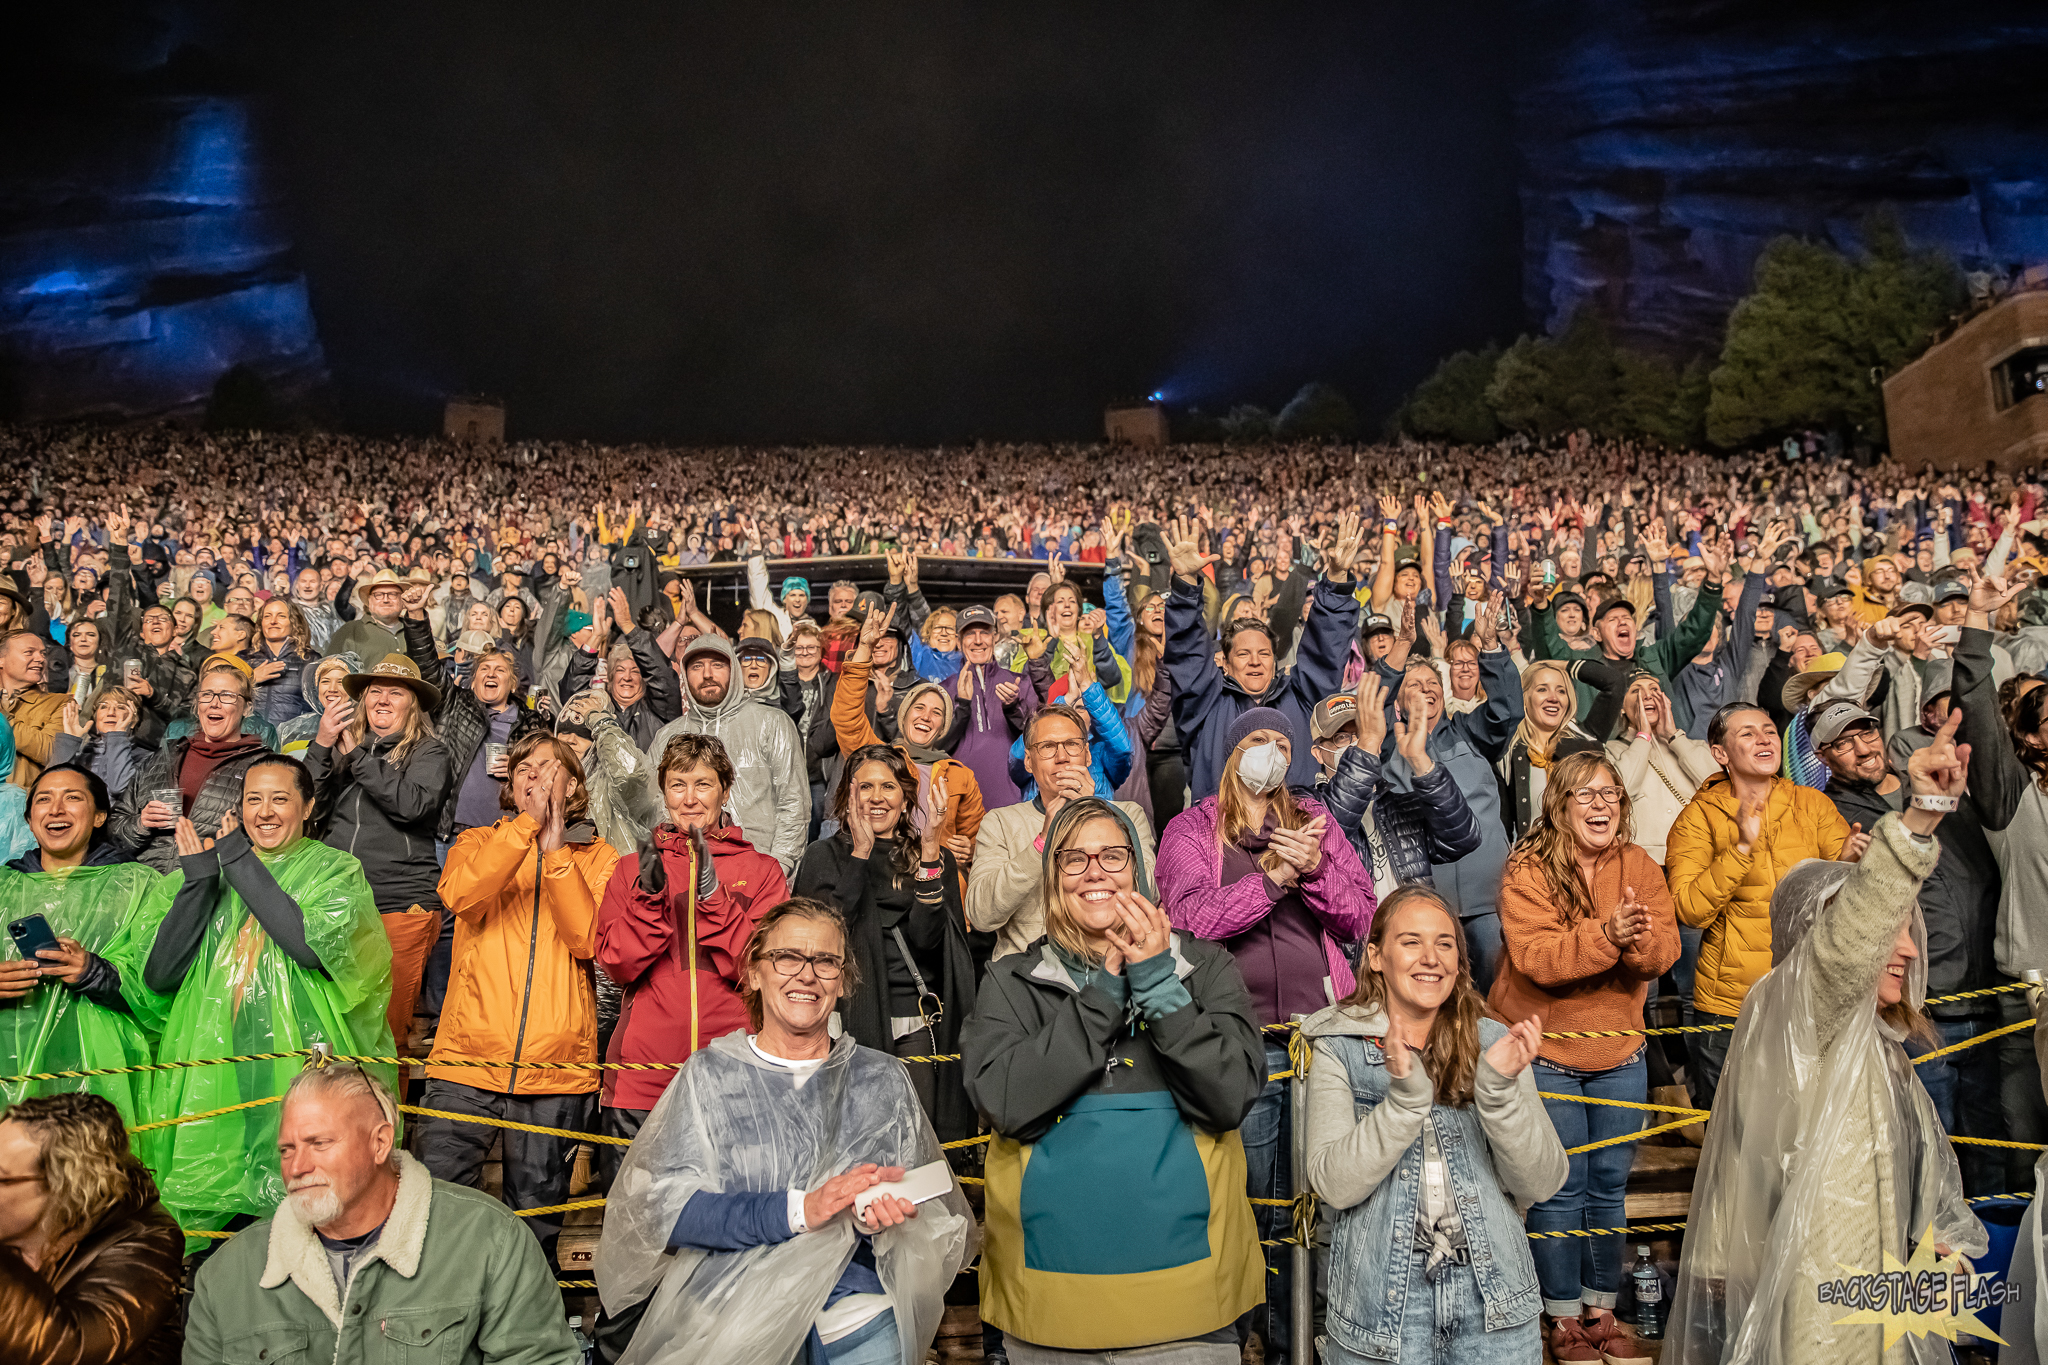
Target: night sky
x=915, y=222
x=859, y=222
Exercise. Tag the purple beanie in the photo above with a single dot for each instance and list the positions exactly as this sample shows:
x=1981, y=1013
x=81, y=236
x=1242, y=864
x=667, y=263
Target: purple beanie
x=1261, y=718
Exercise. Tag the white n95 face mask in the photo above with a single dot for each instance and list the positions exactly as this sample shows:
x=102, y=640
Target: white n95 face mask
x=1262, y=767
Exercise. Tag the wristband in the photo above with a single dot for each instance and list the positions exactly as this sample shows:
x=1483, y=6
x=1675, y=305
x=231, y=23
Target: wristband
x=1936, y=803
x=930, y=872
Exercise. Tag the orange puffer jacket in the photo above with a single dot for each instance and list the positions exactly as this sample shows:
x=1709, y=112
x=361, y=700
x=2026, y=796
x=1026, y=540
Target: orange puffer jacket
x=1716, y=888
x=525, y=928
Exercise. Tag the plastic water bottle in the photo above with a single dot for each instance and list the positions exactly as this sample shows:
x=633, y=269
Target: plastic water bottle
x=1649, y=1296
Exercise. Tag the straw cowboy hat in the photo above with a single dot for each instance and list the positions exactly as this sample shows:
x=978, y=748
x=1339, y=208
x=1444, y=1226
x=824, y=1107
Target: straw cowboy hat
x=1800, y=686
x=395, y=668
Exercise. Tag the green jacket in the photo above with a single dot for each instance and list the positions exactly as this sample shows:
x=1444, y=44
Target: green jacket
x=1662, y=659
x=454, y=1279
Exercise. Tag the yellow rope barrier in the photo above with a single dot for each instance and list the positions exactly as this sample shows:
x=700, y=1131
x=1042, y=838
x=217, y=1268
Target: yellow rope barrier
x=205, y=1114
x=1626, y=1104
x=490, y=1122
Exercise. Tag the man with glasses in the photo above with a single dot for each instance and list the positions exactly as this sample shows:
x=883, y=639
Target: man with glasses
x=197, y=775
x=382, y=630
x=1005, y=887
x=1959, y=901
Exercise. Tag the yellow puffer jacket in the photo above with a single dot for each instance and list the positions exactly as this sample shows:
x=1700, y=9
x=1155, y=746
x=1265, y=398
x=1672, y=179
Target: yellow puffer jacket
x=1716, y=888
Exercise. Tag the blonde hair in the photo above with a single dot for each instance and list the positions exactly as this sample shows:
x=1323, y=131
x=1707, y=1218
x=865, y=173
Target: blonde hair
x=1059, y=921
x=83, y=1158
x=755, y=621
x=417, y=726
x=1541, y=744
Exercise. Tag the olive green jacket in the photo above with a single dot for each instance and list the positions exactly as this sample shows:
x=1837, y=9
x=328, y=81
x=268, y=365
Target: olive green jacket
x=454, y=1279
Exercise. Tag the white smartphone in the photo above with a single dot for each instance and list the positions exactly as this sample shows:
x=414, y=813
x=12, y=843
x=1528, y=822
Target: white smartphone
x=925, y=1182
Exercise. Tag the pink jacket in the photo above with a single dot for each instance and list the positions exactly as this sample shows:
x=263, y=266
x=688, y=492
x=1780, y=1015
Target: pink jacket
x=1339, y=892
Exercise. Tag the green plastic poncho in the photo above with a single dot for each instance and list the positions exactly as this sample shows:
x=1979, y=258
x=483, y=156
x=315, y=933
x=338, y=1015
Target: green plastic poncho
x=244, y=995
x=111, y=910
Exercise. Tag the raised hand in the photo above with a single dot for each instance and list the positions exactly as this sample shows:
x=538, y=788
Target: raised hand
x=1858, y=845
x=1185, y=554
x=1399, y=1058
x=622, y=610
x=1511, y=1054
x=875, y=627
x=187, y=838
x=1629, y=920
x=1372, y=712
x=1143, y=933
x=1486, y=628
x=1411, y=741
x=1749, y=824
x=1992, y=591
x=1343, y=552
x=1943, y=767
x=74, y=725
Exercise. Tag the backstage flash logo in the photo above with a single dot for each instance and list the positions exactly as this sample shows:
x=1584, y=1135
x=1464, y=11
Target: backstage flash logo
x=1928, y=1295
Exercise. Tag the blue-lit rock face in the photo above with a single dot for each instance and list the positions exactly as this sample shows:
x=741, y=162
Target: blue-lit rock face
x=140, y=259
x=1666, y=142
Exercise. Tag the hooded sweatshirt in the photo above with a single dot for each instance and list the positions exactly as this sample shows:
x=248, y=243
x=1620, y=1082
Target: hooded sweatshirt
x=770, y=798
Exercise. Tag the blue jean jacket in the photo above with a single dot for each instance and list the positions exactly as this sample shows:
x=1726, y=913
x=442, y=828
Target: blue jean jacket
x=1370, y=1246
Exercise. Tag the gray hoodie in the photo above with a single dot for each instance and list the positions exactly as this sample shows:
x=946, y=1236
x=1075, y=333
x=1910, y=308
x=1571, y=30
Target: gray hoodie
x=771, y=795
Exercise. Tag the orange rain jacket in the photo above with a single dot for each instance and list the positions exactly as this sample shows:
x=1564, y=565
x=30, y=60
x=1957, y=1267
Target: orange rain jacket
x=525, y=928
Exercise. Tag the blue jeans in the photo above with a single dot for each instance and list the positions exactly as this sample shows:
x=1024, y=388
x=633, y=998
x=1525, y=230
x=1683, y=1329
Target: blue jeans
x=874, y=1342
x=1587, y=1270
x=1268, y=1134
x=1965, y=1089
x=1445, y=1324
x=1483, y=949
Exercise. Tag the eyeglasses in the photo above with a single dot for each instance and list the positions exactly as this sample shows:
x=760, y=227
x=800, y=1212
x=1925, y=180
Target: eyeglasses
x=219, y=698
x=1062, y=748
x=1074, y=861
x=1606, y=796
x=1863, y=737
x=789, y=962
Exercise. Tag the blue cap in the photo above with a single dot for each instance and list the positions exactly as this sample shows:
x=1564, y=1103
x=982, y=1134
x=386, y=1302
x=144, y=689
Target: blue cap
x=793, y=584
x=575, y=621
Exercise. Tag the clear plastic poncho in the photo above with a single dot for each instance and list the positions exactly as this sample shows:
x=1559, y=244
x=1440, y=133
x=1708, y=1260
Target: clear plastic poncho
x=1824, y=1152
x=244, y=995
x=112, y=911
x=734, y=1122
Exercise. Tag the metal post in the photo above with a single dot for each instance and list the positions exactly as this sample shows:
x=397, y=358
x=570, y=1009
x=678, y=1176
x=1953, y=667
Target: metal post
x=1302, y=1345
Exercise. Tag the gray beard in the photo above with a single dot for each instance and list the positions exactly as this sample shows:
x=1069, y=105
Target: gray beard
x=318, y=1206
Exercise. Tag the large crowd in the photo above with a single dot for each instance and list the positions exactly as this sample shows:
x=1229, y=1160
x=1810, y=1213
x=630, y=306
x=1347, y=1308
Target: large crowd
x=911, y=934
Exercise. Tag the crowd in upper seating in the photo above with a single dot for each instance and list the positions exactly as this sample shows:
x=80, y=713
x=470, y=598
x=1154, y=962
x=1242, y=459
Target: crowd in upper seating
x=411, y=747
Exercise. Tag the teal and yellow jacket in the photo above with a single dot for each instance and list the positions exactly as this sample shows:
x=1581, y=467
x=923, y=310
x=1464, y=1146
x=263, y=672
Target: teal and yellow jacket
x=1116, y=1212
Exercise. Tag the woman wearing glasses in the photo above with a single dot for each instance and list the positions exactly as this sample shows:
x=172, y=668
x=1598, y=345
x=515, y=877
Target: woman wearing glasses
x=1587, y=924
x=197, y=775
x=888, y=870
x=740, y=1191
x=1115, y=1059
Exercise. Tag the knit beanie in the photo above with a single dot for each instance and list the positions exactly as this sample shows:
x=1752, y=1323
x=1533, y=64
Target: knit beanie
x=1260, y=718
